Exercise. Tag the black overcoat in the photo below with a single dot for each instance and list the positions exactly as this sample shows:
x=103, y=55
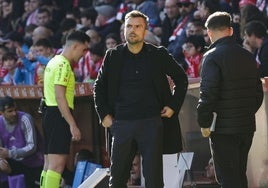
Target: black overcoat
x=107, y=85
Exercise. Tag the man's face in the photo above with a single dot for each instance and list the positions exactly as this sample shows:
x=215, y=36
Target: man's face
x=136, y=168
x=94, y=36
x=42, y=18
x=203, y=10
x=10, y=64
x=42, y=51
x=185, y=8
x=135, y=30
x=251, y=40
x=10, y=114
x=189, y=49
x=172, y=9
x=100, y=20
x=34, y=4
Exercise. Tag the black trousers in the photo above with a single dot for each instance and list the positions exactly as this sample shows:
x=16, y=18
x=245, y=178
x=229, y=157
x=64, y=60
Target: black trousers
x=144, y=135
x=230, y=154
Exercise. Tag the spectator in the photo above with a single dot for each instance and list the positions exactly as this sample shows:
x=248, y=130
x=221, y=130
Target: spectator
x=256, y=38
x=41, y=32
x=186, y=8
x=34, y=6
x=22, y=75
x=20, y=151
x=170, y=21
x=36, y=61
x=193, y=27
x=111, y=40
x=106, y=22
x=29, y=34
x=43, y=17
x=193, y=49
x=150, y=9
x=15, y=40
x=249, y=13
x=94, y=36
x=135, y=172
x=3, y=50
x=67, y=26
x=26, y=13
x=88, y=18
x=9, y=19
x=10, y=64
x=3, y=70
x=124, y=7
x=96, y=59
x=205, y=8
x=75, y=15
x=82, y=68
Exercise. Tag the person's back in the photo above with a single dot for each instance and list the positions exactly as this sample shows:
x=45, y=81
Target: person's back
x=238, y=84
x=230, y=93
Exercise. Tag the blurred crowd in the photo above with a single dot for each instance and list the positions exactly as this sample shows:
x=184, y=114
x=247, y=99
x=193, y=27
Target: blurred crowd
x=33, y=31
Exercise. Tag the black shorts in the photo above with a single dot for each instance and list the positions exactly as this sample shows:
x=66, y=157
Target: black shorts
x=57, y=135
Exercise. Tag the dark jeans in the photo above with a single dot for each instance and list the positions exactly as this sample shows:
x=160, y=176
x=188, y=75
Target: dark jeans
x=144, y=135
x=230, y=154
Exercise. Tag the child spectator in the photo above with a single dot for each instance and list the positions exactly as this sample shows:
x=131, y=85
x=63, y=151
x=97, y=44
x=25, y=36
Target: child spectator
x=111, y=40
x=3, y=71
x=193, y=52
x=37, y=59
x=9, y=63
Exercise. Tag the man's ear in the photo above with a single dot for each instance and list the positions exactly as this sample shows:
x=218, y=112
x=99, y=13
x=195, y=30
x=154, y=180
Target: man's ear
x=231, y=31
x=209, y=33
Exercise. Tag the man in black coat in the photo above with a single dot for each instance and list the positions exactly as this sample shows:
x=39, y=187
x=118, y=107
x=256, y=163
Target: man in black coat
x=132, y=94
x=230, y=86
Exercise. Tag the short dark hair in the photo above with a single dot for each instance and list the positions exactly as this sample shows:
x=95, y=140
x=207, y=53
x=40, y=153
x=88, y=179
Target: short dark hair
x=113, y=36
x=78, y=36
x=90, y=13
x=255, y=27
x=9, y=56
x=44, y=10
x=219, y=21
x=44, y=42
x=197, y=41
x=67, y=24
x=97, y=49
x=6, y=102
x=137, y=14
